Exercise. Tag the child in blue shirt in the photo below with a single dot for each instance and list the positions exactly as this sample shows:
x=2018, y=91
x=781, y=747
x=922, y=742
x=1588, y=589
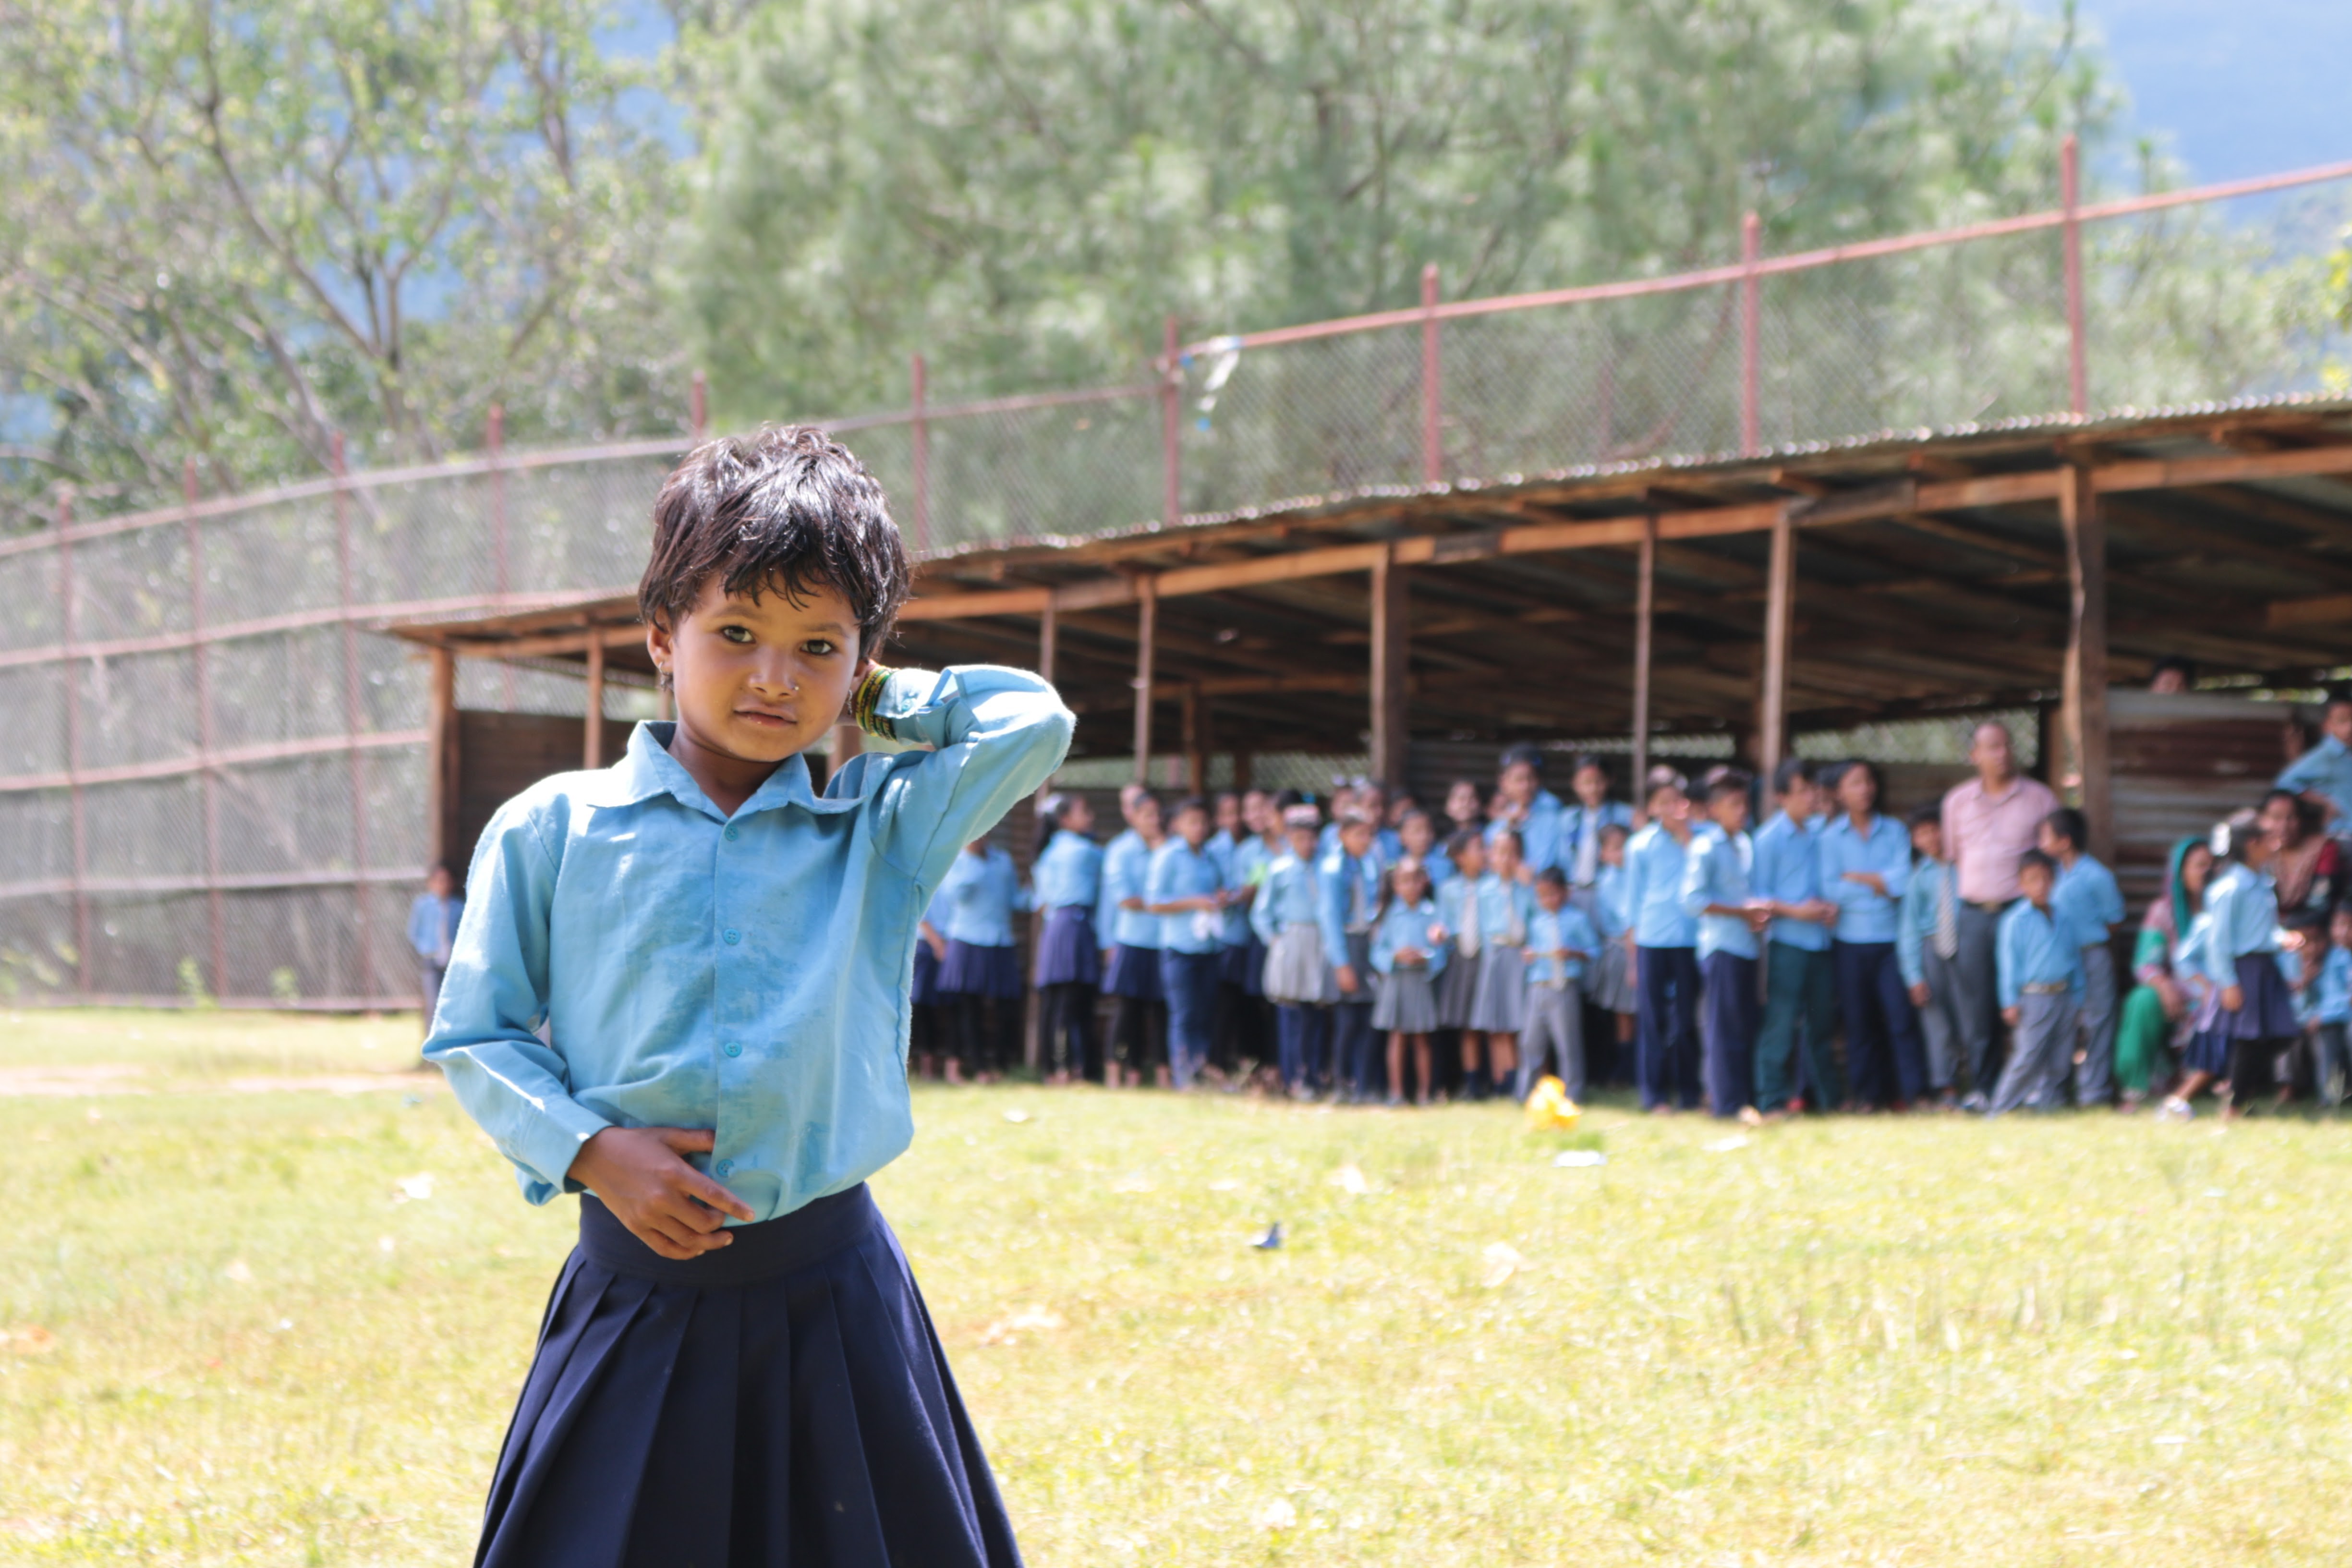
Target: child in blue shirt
x=2087, y=898
x=1286, y=916
x=1561, y=943
x=2330, y=1001
x=1407, y=958
x=1068, y=879
x=980, y=972
x=2038, y=971
x=432, y=932
x=681, y=990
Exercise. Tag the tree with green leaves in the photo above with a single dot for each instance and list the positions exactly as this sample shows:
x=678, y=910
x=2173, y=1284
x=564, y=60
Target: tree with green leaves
x=235, y=228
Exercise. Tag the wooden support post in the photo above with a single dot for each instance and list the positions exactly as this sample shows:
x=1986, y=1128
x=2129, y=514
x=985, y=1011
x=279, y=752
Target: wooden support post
x=441, y=766
x=216, y=908
x=1196, y=751
x=922, y=465
x=1241, y=770
x=2085, y=721
x=697, y=409
x=1147, y=618
x=500, y=570
x=1433, y=377
x=1390, y=654
x=1644, y=607
x=1752, y=355
x=1772, y=711
x=591, y=734
x=1171, y=413
x=2070, y=191
x=1049, y=633
x=354, y=722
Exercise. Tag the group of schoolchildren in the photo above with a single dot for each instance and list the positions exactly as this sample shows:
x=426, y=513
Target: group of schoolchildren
x=1376, y=955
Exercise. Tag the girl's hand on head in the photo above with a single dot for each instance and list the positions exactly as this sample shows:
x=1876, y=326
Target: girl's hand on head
x=641, y=1174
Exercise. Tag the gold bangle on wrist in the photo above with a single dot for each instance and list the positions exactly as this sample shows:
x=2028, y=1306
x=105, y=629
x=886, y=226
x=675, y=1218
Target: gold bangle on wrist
x=865, y=705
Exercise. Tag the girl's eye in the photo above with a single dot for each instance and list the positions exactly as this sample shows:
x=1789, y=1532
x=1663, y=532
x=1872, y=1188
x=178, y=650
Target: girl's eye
x=739, y=636
x=819, y=646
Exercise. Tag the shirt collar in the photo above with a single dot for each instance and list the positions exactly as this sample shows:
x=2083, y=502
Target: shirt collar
x=647, y=769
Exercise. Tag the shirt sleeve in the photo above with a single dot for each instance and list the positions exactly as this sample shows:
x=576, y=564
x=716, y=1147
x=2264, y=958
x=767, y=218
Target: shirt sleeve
x=1909, y=954
x=1384, y=947
x=994, y=734
x=1698, y=875
x=1331, y=912
x=485, y=1039
x=1260, y=910
x=2009, y=961
x=2307, y=772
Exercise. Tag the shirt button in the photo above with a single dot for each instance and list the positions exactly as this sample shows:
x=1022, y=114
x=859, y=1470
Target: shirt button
x=732, y=937
x=731, y=833
x=734, y=1050
x=725, y=1167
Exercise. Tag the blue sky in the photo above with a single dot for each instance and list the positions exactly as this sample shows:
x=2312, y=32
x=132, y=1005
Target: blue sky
x=2233, y=88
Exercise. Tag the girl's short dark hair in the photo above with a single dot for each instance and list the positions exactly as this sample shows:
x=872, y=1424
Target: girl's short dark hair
x=788, y=509
x=1463, y=838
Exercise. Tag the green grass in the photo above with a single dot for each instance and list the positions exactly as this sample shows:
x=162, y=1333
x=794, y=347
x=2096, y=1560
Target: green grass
x=2067, y=1341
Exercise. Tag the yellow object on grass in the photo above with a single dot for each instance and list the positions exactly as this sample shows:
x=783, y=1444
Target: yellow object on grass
x=1548, y=1108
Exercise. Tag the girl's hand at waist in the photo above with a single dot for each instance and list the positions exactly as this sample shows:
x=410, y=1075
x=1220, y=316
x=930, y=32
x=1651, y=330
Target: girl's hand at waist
x=641, y=1174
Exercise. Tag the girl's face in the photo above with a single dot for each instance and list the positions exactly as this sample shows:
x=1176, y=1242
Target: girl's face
x=2339, y=929
x=1416, y=834
x=1145, y=815
x=1612, y=850
x=1229, y=814
x=2195, y=870
x=2282, y=821
x=1519, y=783
x=1078, y=816
x=1505, y=856
x=1302, y=843
x=1857, y=792
x=1927, y=839
x=1472, y=860
x=1254, y=811
x=1411, y=884
x=1461, y=805
x=758, y=679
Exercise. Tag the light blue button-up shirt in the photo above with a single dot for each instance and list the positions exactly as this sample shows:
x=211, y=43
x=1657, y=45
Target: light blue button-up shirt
x=1504, y=909
x=1286, y=899
x=1069, y=871
x=1865, y=916
x=1402, y=926
x=432, y=921
x=1550, y=932
x=1540, y=841
x=1581, y=825
x=1610, y=891
x=2087, y=896
x=747, y=974
x=1347, y=896
x=2035, y=948
x=1717, y=871
x=2241, y=907
x=2331, y=988
x=1915, y=923
x=1228, y=851
x=2327, y=768
x=1180, y=871
x=1654, y=862
x=978, y=896
x=1788, y=870
x=1126, y=867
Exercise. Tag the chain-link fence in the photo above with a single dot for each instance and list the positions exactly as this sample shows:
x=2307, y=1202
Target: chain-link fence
x=212, y=785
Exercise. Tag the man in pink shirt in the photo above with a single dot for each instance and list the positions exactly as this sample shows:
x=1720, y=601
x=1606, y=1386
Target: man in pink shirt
x=1989, y=821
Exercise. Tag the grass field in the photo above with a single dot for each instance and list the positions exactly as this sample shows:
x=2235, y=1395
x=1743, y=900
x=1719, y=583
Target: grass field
x=271, y=1317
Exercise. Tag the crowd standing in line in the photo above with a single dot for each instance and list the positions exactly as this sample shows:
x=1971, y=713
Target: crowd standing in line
x=1830, y=958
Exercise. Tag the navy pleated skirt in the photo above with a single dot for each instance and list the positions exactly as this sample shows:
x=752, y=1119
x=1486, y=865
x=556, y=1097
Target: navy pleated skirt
x=924, y=991
x=971, y=969
x=1068, y=953
x=1134, y=973
x=781, y=1402
x=2269, y=1010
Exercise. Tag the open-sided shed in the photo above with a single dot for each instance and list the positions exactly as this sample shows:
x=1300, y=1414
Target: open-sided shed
x=1895, y=577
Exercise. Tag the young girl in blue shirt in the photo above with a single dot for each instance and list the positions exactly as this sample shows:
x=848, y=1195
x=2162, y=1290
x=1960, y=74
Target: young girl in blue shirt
x=1069, y=877
x=679, y=990
x=1408, y=957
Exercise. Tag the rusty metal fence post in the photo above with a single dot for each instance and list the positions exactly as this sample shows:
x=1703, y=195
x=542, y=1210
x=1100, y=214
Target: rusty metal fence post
x=2070, y=193
x=353, y=707
x=1433, y=396
x=922, y=461
x=207, y=776
x=1751, y=336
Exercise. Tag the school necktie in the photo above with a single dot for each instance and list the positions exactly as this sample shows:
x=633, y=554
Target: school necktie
x=1467, y=938
x=1587, y=849
x=1947, y=915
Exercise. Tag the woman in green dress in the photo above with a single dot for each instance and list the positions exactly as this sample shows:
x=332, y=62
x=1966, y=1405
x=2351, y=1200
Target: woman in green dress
x=2162, y=1000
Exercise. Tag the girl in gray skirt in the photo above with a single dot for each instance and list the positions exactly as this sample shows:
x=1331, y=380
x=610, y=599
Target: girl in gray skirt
x=1499, y=1005
x=1407, y=958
